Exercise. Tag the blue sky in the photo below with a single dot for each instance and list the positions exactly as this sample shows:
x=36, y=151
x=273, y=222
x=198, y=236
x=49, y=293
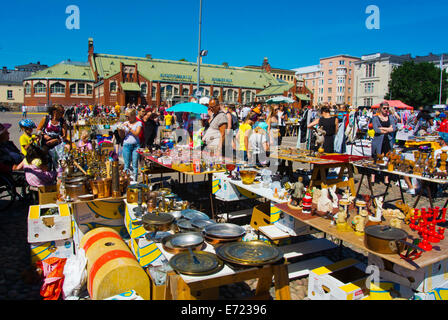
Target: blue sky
x=240, y=32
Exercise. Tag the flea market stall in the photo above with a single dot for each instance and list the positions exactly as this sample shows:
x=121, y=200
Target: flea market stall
x=121, y=240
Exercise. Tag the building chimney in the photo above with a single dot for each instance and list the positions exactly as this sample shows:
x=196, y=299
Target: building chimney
x=90, y=46
x=149, y=56
x=38, y=62
x=5, y=70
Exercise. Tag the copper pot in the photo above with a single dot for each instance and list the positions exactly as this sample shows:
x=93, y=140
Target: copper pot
x=75, y=190
x=385, y=239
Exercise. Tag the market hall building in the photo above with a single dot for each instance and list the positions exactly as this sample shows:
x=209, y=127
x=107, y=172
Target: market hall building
x=110, y=79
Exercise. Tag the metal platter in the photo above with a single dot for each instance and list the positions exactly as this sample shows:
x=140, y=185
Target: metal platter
x=207, y=263
x=185, y=225
x=191, y=214
x=201, y=223
x=167, y=246
x=224, y=230
x=249, y=253
x=187, y=239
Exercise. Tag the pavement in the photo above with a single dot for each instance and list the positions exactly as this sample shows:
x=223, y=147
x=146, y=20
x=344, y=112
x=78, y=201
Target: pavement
x=19, y=282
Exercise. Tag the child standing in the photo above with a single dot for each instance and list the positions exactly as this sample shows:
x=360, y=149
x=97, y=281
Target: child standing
x=27, y=126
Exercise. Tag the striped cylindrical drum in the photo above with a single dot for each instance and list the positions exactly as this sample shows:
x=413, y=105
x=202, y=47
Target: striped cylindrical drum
x=111, y=267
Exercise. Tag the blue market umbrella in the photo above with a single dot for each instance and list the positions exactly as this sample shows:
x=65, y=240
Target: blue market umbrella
x=191, y=107
x=280, y=99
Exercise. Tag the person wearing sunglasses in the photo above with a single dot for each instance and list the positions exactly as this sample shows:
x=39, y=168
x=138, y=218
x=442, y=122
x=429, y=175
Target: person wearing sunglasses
x=385, y=126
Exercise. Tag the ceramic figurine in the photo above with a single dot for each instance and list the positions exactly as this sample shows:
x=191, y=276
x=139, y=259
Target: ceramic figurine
x=379, y=210
x=334, y=197
x=324, y=204
x=359, y=222
x=347, y=196
x=319, y=133
x=298, y=189
x=341, y=221
x=307, y=202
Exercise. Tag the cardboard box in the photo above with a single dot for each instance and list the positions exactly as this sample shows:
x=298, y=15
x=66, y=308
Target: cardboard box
x=57, y=226
x=343, y=280
x=292, y=226
x=436, y=294
x=146, y=252
x=421, y=280
x=99, y=210
x=135, y=230
x=48, y=194
x=58, y=248
x=128, y=295
x=226, y=191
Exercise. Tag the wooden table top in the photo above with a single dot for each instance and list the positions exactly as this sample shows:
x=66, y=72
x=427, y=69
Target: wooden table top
x=190, y=173
x=404, y=174
x=439, y=252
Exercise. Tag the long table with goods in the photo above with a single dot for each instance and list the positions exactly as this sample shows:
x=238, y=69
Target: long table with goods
x=320, y=166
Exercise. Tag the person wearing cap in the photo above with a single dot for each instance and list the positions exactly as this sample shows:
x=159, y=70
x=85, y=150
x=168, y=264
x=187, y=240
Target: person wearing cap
x=27, y=126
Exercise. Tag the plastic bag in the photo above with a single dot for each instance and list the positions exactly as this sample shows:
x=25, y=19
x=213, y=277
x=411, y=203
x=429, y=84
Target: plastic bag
x=75, y=272
x=53, y=272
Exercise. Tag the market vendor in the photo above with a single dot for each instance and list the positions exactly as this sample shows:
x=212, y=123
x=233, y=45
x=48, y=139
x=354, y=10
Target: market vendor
x=214, y=136
x=385, y=127
x=329, y=124
x=52, y=127
x=130, y=132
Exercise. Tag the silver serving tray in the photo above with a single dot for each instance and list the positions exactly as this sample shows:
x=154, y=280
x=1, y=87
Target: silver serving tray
x=187, y=240
x=224, y=230
x=201, y=223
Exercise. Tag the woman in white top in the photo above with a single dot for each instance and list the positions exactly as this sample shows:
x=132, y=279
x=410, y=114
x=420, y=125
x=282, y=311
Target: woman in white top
x=130, y=132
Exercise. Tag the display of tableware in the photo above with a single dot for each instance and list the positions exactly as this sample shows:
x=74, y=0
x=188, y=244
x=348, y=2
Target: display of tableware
x=191, y=214
x=248, y=176
x=249, y=253
x=201, y=223
x=224, y=230
x=205, y=263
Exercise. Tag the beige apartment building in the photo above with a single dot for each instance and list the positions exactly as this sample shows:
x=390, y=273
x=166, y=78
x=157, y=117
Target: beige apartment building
x=332, y=81
x=372, y=75
x=311, y=77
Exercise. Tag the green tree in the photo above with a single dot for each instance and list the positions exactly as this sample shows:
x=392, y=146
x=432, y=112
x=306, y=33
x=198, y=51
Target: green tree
x=417, y=84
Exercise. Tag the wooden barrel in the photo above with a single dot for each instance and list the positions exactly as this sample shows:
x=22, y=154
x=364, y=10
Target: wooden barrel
x=111, y=267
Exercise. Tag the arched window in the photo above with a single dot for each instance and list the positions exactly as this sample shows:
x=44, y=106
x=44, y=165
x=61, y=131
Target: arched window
x=73, y=88
x=162, y=93
x=185, y=92
x=216, y=93
x=27, y=88
x=207, y=92
x=113, y=86
x=169, y=91
x=57, y=88
x=176, y=91
x=153, y=92
x=40, y=88
x=144, y=88
x=229, y=95
x=81, y=88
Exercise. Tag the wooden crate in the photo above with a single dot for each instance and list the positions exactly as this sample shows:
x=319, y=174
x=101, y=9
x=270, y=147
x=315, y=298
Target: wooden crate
x=48, y=194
